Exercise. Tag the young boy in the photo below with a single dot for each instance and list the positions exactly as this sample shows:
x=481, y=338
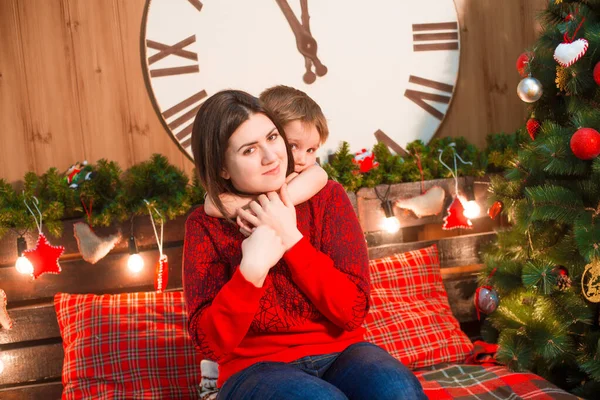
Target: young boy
x=305, y=128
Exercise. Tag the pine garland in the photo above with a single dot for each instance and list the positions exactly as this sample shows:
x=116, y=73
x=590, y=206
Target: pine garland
x=112, y=195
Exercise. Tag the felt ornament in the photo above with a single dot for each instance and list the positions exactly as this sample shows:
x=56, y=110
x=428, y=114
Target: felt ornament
x=161, y=271
x=429, y=203
x=43, y=257
x=568, y=52
x=77, y=174
x=92, y=247
x=455, y=218
x=533, y=127
x=5, y=321
x=162, y=274
x=365, y=161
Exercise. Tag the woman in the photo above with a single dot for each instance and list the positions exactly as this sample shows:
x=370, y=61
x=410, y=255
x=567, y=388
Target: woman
x=280, y=311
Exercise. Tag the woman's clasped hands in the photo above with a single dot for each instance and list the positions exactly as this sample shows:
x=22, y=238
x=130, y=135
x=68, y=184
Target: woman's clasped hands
x=270, y=221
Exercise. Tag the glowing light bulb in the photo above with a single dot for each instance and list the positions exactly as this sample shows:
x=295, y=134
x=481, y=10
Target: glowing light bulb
x=135, y=263
x=472, y=209
x=391, y=224
x=23, y=266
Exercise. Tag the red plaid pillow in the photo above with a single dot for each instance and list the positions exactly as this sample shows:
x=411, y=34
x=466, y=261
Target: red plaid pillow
x=410, y=316
x=131, y=345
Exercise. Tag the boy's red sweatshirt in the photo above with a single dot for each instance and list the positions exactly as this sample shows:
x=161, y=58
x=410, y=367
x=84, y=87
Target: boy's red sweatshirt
x=312, y=302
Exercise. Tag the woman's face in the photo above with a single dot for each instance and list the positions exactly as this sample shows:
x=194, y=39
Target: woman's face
x=256, y=157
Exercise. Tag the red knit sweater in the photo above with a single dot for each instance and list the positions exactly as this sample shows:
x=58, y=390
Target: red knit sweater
x=312, y=302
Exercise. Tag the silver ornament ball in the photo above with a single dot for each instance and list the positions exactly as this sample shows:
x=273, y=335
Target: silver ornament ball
x=530, y=90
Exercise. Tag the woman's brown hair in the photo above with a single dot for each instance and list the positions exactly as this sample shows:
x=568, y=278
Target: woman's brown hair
x=217, y=119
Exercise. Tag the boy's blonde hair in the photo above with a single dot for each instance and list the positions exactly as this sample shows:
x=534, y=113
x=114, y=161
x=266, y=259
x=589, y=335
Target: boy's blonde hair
x=287, y=104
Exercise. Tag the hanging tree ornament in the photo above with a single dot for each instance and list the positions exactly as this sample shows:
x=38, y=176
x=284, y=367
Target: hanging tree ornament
x=92, y=247
x=44, y=256
x=563, y=281
x=530, y=90
x=590, y=282
x=429, y=202
x=161, y=272
x=597, y=73
x=533, y=127
x=486, y=297
x=585, y=143
x=456, y=218
x=5, y=321
x=495, y=209
x=562, y=76
x=365, y=160
x=523, y=63
x=568, y=52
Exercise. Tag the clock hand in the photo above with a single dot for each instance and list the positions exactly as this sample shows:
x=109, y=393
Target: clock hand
x=305, y=43
x=320, y=68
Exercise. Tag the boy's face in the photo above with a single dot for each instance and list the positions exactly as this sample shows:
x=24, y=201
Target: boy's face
x=305, y=140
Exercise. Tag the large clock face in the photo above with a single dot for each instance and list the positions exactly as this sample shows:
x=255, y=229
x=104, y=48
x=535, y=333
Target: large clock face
x=381, y=70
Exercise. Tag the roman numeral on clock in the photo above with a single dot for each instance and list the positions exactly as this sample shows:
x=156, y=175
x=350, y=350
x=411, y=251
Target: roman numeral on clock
x=186, y=120
x=176, y=50
x=196, y=3
x=419, y=97
x=443, y=34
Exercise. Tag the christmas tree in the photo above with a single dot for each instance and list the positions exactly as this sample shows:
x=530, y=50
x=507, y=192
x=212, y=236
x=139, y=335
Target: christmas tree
x=546, y=266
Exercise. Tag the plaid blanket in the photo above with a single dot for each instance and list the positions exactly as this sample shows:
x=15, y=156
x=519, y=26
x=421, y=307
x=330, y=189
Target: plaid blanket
x=486, y=382
x=446, y=381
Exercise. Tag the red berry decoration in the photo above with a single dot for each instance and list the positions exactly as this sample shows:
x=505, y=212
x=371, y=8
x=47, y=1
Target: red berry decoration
x=522, y=63
x=597, y=74
x=533, y=127
x=585, y=143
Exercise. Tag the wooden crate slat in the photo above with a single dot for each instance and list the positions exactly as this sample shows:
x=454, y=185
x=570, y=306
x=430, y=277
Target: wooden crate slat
x=31, y=323
x=109, y=275
x=144, y=234
x=370, y=212
x=41, y=391
x=454, y=251
x=31, y=364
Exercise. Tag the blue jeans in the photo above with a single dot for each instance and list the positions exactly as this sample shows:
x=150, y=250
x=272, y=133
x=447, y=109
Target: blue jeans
x=362, y=371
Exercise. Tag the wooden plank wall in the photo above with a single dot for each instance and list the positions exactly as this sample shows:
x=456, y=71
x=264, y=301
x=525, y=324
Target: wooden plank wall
x=32, y=351
x=71, y=83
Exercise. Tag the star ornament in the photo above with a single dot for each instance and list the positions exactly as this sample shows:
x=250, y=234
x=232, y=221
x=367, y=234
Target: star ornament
x=44, y=257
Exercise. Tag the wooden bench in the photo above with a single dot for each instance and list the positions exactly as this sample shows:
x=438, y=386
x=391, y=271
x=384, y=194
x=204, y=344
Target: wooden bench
x=32, y=351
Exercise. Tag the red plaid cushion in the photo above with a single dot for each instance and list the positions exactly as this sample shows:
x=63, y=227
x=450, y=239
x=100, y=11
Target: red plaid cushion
x=132, y=345
x=410, y=316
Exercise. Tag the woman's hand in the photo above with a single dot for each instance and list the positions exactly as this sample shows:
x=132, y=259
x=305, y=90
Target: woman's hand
x=277, y=213
x=260, y=252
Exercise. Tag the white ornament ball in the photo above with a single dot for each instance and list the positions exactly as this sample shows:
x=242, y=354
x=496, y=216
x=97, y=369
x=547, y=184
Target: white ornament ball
x=530, y=90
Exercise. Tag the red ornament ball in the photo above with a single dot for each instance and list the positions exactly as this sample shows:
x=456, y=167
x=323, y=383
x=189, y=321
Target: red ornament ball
x=533, y=127
x=585, y=143
x=522, y=62
x=597, y=74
